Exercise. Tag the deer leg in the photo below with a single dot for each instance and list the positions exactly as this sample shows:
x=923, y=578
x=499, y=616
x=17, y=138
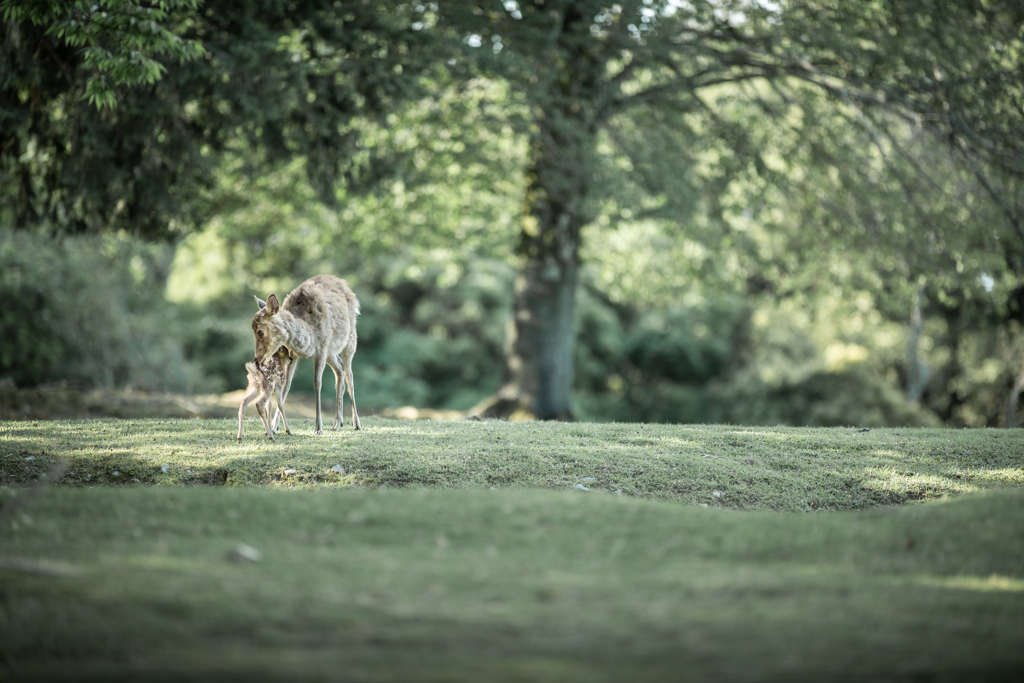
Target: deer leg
x=339, y=391
x=280, y=409
x=246, y=400
x=318, y=375
x=287, y=387
x=346, y=359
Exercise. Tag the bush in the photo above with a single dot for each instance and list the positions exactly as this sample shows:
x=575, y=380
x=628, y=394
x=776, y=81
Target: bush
x=654, y=365
x=431, y=337
x=432, y=333
x=709, y=364
x=852, y=397
x=89, y=312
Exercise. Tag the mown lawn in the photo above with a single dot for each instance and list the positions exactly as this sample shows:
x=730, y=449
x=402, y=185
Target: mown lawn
x=462, y=551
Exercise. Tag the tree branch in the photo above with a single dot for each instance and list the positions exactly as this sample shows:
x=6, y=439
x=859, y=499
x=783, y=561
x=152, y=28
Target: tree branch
x=997, y=196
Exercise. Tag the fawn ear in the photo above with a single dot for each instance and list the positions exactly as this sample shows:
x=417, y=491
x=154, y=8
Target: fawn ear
x=261, y=302
x=272, y=306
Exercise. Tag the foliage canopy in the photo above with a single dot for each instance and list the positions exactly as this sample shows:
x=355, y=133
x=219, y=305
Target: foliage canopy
x=755, y=151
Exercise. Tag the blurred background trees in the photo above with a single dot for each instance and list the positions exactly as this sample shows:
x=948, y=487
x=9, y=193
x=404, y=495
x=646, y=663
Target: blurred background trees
x=715, y=212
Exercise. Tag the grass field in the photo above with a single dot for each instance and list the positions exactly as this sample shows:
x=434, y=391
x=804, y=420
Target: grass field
x=470, y=551
x=748, y=468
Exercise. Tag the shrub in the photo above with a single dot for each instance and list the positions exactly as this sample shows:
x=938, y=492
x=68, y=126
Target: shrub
x=703, y=364
x=88, y=311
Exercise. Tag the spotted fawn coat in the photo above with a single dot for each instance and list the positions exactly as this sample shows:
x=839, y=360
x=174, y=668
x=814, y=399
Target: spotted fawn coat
x=265, y=381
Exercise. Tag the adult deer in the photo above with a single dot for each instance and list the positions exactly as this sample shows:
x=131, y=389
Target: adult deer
x=317, y=320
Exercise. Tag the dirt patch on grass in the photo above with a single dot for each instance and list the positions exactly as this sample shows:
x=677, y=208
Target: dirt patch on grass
x=55, y=402
x=58, y=403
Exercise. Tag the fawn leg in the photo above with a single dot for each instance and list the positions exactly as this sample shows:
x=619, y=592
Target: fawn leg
x=346, y=359
x=246, y=400
x=263, y=408
x=318, y=375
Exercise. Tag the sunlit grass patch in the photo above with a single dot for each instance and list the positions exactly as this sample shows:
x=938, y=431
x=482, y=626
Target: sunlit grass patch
x=993, y=582
x=913, y=486
x=1006, y=476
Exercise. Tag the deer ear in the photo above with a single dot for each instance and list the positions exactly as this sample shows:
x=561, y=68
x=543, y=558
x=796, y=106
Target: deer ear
x=261, y=302
x=272, y=306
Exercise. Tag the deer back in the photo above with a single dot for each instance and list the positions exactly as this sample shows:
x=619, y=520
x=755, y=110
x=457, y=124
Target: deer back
x=322, y=313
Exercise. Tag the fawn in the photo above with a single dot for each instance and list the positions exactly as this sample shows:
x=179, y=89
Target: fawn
x=267, y=380
x=317, y=320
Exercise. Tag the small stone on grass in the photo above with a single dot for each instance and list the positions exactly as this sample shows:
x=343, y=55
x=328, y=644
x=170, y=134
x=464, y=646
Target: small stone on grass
x=245, y=553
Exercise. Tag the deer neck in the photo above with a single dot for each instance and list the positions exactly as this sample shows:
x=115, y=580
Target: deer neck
x=295, y=334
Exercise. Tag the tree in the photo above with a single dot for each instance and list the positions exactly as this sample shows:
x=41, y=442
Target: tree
x=117, y=41
x=582, y=64
x=886, y=214
x=281, y=82
x=276, y=80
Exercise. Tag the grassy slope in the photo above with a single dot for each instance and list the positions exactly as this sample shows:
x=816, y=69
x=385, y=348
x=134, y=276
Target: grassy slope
x=750, y=468
x=370, y=583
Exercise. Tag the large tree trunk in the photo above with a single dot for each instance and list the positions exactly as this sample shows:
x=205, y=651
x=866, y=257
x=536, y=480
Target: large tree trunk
x=539, y=368
x=541, y=362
